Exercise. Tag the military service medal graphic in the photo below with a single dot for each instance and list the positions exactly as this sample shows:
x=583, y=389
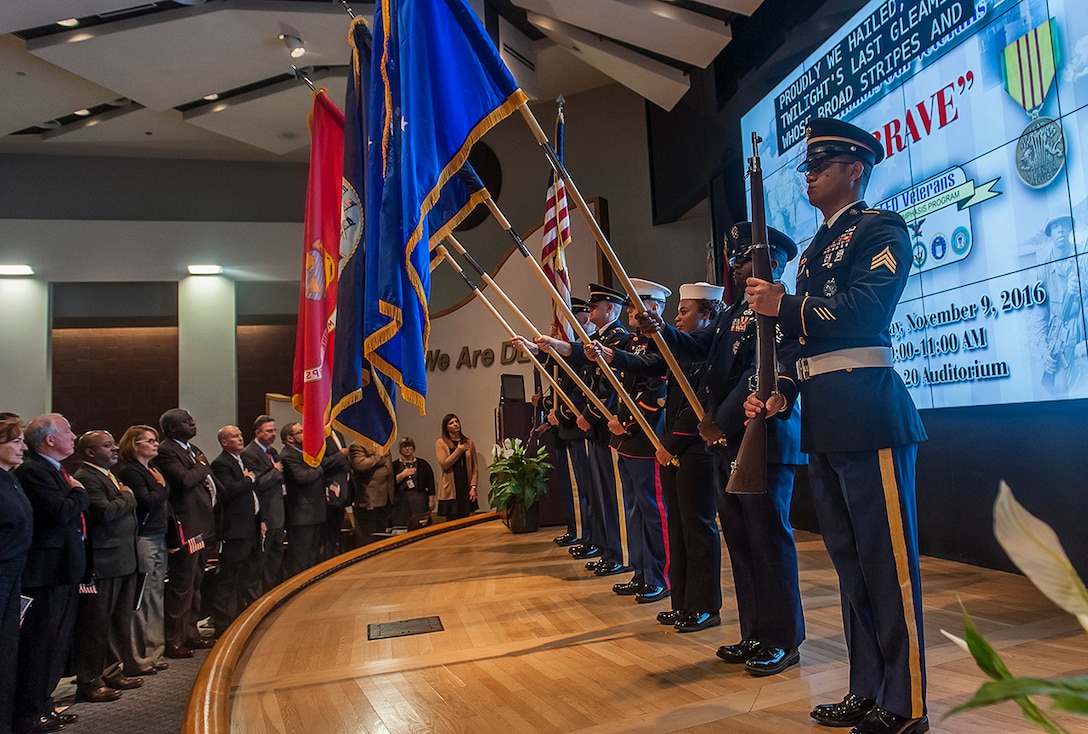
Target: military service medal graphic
x=1028, y=66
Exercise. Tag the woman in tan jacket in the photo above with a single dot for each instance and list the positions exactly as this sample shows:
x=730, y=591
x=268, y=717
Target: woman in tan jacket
x=457, y=457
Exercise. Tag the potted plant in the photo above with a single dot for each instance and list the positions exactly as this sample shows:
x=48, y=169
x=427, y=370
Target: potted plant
x=518, y=480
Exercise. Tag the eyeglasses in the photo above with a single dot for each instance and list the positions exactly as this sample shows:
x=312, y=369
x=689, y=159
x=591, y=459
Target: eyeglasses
x=147, y=440
x=816, y=167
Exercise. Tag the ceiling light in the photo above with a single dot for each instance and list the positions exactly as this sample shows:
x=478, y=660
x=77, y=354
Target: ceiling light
x=205, y=269
x=79, y=37
x=211, y=97
x=49, y=124
x=294, y=43
x=83, y=112
x=16, y=270
x=68, y=22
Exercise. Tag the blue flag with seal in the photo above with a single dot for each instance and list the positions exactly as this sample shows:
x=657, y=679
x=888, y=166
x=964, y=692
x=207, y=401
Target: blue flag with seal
x=437, y=85
x=361, y=406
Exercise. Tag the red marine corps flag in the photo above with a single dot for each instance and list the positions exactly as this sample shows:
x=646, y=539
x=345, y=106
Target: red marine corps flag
x=311, y=388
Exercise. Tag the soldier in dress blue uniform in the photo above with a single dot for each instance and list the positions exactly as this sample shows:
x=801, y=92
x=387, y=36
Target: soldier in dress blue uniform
x=604, y=305
x=859, y=427
x=642, y=368
x=756, y=527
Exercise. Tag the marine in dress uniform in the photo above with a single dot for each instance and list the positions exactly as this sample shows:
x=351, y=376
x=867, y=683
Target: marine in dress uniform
x=642, y=369
x=859, y=427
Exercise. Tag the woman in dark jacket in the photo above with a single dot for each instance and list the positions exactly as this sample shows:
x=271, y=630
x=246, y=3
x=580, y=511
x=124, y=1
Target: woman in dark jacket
x=413, y=492
x=16, y=530
x=139, y=447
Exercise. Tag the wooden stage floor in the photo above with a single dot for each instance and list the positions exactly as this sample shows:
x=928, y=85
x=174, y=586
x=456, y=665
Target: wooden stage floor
x=533, y=643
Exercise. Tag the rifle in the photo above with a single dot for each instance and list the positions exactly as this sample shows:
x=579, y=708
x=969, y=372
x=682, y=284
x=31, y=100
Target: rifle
x=749, y=475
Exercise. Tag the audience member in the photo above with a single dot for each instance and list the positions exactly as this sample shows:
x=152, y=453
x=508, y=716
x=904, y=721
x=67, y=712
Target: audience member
x=238, y=514
x=55, y=566
x=192, y=497
x=457, y=456
x=413, y=489
x=335, y=503
x=307, y=487
x=263, y=460
x=16, y=530
x=103, y=635
x=139, y=447
x=372, y=482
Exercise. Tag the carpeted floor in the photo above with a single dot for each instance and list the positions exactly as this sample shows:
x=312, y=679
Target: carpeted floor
x=157, y=707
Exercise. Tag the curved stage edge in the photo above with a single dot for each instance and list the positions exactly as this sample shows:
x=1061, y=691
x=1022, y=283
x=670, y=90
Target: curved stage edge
x=209, y=707
x=533, y=643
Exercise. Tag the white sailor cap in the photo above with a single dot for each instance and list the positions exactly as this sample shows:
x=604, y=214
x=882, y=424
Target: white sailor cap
x=649, y=289
x=702, y=289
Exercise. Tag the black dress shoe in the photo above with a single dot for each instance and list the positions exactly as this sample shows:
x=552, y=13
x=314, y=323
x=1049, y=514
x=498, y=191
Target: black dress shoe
x=566, y=539
x=738, y=653
x=40, y=724
x=847, y=712
x=771, y=661
x=161, y=665
x=178, y=651
x=594, y=565
x=140, y=673
x=203, y=643
x=651, y=594
x=610, y=568
x=123, y=683
x=586, y=551
x=881, y=721
x=64, y=719
x=629, y=589
x=698, y=621
x=671, y=616
x=102, y=694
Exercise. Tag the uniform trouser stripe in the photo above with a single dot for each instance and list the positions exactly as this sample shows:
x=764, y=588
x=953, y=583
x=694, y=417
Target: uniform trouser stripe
x=902, y=571
x=663, y=518
x=574, y=493
x=622, y=515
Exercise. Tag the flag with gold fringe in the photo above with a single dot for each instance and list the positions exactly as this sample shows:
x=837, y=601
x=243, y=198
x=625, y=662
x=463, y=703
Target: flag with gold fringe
x=437, y=86
x=314, y=340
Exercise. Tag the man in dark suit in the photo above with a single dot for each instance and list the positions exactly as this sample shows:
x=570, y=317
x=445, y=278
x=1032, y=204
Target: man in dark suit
x=192, y=497
x=263, y=460
x=55, y=566
x=103, y=625
x=860, y=427
x=307, y=488
x=334, y=508
x=237, y=518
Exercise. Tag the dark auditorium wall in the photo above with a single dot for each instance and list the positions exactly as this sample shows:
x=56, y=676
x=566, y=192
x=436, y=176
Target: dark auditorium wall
x=114, y=377
x=266, y=355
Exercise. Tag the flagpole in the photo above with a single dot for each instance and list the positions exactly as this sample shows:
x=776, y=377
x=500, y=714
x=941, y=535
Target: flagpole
x=468, y=176
x=597, y=403
x=443, y=255
x=674, y=367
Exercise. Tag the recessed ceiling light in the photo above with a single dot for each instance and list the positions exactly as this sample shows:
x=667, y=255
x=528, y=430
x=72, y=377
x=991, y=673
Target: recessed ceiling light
x=211, y=97
x=50, y=124
x=220, y=107
x=16, y=270
x=205, y=269
x=83, y=112
x=68, y=22
x=79, y=37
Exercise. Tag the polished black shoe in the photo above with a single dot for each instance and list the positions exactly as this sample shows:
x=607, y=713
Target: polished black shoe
x=566, y=539
x=696, y=621
x=671, y=616
x=64, y=719
x=102, y=694
x=610, y=568
x=40, y=724
x=650, y=594
x=140, y=673
x=161, y=665
x=629, y=589
x=771, y=661
x=586, y=551
x=847, y=712
x=738, y=653
x=123, y=683
x=594, y=565
x=881, y=721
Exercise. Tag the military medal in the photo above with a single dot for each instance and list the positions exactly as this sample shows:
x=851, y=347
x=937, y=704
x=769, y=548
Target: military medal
x=1028, y=67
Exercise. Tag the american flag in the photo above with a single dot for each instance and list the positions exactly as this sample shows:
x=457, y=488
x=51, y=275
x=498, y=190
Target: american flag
x=557, y=237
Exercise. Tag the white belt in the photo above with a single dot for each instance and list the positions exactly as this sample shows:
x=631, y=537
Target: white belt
x=843, y=359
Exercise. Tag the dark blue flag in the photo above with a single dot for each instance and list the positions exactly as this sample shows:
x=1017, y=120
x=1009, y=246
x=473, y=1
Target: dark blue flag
x=437, y=86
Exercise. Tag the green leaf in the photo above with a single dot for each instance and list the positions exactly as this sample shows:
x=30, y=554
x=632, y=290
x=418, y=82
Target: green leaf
x=1035, y=549
x=989, y=662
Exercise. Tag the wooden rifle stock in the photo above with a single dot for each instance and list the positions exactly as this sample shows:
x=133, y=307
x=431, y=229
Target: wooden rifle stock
x=749, y=475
